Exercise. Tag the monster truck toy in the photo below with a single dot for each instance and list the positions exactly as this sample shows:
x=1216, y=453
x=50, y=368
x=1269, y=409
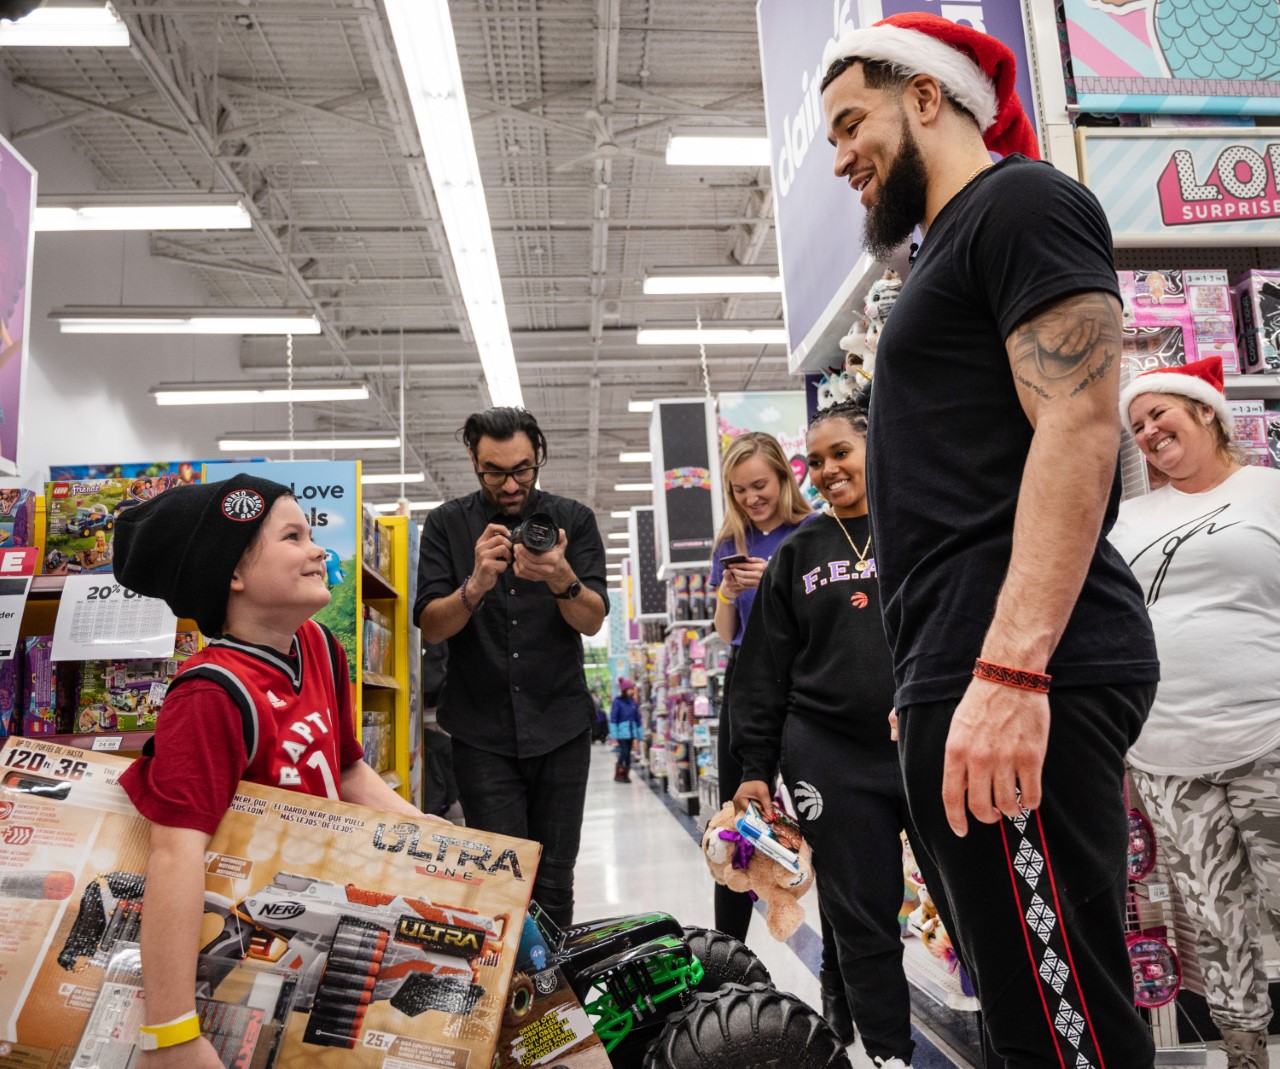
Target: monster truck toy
x=658, y=993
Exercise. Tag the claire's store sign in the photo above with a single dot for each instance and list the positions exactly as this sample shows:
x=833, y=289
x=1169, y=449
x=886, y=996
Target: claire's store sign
x=1185, y=186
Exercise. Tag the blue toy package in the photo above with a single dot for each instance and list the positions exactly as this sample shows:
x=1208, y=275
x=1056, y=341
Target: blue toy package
x=778, y=838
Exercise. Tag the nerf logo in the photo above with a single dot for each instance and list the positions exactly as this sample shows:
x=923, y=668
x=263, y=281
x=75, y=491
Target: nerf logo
x=464, y=942
x=282, y=911
x=18, y=835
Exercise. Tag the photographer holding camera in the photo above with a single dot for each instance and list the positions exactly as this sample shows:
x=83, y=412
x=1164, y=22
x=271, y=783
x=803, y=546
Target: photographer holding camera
x=512, y=578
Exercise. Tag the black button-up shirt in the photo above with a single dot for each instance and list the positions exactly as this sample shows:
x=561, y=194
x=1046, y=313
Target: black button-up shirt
x=515, y=682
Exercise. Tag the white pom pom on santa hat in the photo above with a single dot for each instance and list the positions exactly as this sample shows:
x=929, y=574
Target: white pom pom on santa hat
x=975, y=70
x=1201, y=380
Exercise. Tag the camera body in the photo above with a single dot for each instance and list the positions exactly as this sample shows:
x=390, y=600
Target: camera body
x=538, y=533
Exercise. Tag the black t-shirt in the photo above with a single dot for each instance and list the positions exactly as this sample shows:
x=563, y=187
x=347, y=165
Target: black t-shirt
x=515, y=684
x=948, y=439
x=814, y=647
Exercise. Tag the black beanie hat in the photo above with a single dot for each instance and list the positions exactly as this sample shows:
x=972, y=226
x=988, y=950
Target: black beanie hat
x=184, y=544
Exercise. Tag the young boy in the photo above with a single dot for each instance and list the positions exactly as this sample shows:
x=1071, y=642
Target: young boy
x=268, y=700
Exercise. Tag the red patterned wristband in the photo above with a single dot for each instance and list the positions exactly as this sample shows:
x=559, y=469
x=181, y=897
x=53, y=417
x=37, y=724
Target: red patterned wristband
x=1011, y=677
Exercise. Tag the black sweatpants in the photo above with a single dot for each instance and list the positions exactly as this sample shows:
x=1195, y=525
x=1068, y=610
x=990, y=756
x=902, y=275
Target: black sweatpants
x=539, y=798
x=853, y=810
x=732, y=908
x=1036, y=905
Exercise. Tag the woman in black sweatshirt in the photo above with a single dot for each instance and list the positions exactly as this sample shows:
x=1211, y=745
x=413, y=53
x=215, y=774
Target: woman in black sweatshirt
x=813, y=689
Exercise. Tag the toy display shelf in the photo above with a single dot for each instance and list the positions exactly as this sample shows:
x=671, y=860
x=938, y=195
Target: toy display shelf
x=1266, y=386
x=390, y=693
x=695, y=625
x=929, y=975
x=38, y=618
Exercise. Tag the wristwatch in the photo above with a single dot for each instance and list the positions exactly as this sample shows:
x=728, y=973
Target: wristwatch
x=570, y=592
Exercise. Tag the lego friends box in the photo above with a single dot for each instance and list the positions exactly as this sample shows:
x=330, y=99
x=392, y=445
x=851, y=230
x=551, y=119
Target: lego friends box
x=400, y=933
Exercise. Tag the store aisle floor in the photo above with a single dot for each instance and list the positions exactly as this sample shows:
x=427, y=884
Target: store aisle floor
x=638, y=854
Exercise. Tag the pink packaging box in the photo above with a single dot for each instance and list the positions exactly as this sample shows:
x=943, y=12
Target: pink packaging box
x=1250, y=422
x=1196, y=302
x=1258, y=324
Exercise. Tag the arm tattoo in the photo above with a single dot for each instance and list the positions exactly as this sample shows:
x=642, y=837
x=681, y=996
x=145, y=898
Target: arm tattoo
x=1066, y=349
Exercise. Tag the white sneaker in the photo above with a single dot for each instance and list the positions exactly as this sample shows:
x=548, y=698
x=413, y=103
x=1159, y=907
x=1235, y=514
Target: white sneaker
x=892, y=1063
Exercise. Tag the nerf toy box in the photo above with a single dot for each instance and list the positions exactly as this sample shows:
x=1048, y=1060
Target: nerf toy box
x=1196, y=303
x=400, y=934
x=1258, y=306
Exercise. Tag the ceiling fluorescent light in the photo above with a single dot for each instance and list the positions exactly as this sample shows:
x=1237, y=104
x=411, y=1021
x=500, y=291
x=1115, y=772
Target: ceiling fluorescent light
x=639, y=488
x=414, y=506
x=726, y=335
x=639, y=406
x=618, y=536
x=66, y=27
x=391, y=478
x=682, y=280
x=635, y=458
x=250, y=441
x=621, y=514
x=720, y=146
x=617, y=551
x=134, y=211
x=109, y=319
x=428, y=54
x=248, y=393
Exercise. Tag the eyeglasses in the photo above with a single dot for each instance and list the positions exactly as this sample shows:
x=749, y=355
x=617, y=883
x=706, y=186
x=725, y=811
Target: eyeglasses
x=523, y=476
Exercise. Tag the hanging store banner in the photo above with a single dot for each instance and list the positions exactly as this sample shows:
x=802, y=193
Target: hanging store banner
x=686, y=483
x=819, y=220
x=17, y=239
x=648, y=596
x=1175, y=56
x=1185, y=187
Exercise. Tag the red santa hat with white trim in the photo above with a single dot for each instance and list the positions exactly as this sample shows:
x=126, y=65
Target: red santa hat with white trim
x=975, y=70
x=1201, y=380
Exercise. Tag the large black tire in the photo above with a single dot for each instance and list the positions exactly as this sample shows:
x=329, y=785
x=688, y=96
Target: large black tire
x=740, y=1027
x=519, y=999
x=346, y=987
x=725, y=960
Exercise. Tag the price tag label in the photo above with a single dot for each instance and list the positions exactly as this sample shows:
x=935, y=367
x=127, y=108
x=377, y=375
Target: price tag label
x=99, y=619
x=107, y=742
x=1159, y=892
x=16, y=569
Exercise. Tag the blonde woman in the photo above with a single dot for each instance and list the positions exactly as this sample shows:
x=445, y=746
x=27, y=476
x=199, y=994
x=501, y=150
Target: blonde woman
x=763, y=505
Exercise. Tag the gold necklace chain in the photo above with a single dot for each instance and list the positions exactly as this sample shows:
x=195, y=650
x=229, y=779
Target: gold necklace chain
x=977, y=171
x=861, y=562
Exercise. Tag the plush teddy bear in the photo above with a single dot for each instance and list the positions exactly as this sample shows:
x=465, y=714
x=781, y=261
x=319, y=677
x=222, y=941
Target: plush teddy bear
x=733, y=866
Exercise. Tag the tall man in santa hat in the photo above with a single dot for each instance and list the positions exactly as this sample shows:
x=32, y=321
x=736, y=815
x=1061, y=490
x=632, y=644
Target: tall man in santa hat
x=1024, y=660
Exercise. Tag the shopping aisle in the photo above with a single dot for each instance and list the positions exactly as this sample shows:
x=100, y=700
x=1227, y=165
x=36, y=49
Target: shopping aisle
x=639, y=854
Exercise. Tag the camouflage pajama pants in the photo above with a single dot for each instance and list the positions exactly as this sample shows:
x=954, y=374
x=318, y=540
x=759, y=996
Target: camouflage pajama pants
x=1220, y=836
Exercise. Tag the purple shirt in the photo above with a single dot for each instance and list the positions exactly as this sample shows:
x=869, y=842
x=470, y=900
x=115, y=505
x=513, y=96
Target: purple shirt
x=758, y=545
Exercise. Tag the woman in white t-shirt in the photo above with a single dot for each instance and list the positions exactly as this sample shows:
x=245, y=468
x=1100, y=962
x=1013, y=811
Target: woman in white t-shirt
x=1206, y=549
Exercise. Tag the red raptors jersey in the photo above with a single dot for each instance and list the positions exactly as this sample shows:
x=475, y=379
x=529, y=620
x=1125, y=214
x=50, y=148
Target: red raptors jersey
x=240, y=711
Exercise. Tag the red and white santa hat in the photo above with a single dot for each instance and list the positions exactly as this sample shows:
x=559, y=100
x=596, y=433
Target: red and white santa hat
x=1201, y=380
x=974, y=69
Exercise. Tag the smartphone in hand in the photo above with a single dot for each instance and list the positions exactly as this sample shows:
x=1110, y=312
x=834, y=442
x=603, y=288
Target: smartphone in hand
x=734, y=558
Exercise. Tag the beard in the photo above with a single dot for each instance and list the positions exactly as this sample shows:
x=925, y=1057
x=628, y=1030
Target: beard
x=901, y=206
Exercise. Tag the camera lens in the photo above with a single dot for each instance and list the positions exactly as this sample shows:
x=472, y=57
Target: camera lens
x=538, y=533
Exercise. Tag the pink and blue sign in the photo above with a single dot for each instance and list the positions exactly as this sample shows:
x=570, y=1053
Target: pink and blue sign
x=1183, y=57
x=1184, y=186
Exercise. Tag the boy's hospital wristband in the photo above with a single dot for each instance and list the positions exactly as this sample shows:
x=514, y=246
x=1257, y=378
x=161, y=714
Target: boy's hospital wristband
x=180, y=1030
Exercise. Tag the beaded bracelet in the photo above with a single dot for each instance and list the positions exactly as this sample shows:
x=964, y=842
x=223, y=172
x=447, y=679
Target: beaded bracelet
x=462, y=593
x=1011, y=677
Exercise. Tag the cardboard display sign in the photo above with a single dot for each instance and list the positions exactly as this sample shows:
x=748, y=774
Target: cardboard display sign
x=427, y=916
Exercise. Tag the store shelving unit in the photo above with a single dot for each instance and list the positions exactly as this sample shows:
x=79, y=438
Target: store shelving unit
x=390, y=693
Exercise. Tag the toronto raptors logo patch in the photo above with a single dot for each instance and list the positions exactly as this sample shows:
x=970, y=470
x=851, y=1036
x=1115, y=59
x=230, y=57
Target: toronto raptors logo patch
x=808, y=800
x=243, y=505
x=858, y=600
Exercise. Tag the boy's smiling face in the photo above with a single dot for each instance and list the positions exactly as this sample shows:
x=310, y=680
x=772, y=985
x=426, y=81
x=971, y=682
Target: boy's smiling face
x=282, y=575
